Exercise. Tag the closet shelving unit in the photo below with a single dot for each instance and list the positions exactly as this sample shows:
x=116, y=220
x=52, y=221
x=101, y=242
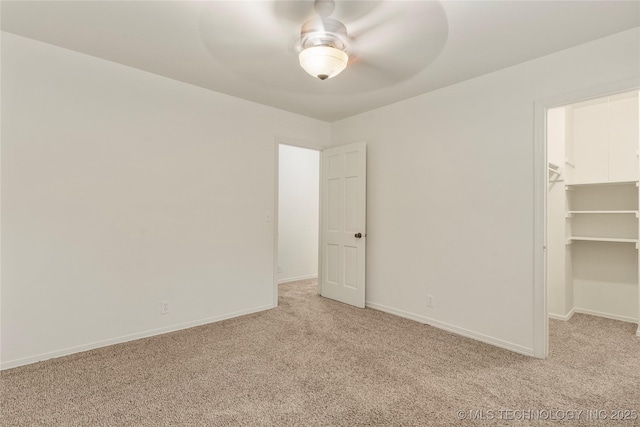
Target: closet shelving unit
x=612, y=217
x=594, y=250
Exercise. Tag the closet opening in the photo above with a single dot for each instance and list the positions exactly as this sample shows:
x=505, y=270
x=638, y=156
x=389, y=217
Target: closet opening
x=592, y=210
x=298, y=216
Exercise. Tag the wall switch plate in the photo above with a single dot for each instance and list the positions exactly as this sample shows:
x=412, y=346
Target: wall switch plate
x=279, y=269
x=164, y=307
x=429, y=300
x=267, y=216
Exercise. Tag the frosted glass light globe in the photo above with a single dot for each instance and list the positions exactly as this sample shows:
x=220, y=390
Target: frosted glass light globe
x=323, y=62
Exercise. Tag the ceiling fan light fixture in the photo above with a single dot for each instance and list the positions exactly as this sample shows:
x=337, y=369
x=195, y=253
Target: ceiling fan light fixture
x=323, y=62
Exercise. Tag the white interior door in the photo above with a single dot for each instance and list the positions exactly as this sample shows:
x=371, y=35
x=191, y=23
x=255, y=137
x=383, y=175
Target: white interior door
x=343, y=227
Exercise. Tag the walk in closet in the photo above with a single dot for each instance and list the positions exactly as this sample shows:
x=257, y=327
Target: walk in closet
x=592, y=208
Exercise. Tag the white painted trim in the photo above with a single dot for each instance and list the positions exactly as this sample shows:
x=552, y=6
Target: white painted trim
x=540, y=315
x=573, y=311
x=638, y=331
x=276, y=215
x=539, y=297
x=605, y=315
x=453, y=329
x=295, y=279
x=126, y=338
x=319, y=283
x=310, y=146
x=564, y=318
x=0, y=230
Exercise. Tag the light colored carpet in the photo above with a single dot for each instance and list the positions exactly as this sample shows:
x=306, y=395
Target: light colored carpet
x=316, y=362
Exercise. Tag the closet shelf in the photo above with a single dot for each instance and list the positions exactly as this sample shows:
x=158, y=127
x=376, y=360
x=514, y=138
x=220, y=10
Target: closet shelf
x=603, y=212
x=593, y=184
x=601, y=239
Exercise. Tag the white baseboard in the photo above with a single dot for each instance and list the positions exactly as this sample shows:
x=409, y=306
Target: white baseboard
x=91, y=346
x=638, y=331
x=606, y=315
x=565, y=318
x=454, y=329
x=295, y=279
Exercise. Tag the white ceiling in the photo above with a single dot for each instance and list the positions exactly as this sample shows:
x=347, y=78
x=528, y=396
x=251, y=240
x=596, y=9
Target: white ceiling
x=247, y=48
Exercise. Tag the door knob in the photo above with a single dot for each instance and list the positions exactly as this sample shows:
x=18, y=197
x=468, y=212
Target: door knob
x=358, y=235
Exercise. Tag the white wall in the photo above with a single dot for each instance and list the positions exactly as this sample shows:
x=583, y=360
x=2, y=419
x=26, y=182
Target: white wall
x=605, y=279
x=298, y=213
x=451, y=191
x=121, y=189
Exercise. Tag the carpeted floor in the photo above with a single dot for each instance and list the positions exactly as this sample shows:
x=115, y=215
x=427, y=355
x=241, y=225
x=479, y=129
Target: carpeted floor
x=316, y=362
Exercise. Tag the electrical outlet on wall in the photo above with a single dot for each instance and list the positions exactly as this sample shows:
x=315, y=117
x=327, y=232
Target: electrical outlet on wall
x=430, y=300
x=164, y=307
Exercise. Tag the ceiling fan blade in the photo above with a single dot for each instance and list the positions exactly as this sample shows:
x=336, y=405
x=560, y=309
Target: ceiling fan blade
x=399, y=39
x=239, y=22
x=399, y=23
x=295, y=45
x=354, y=10
x=300, y=11
x=297, y=12
x=378, y=71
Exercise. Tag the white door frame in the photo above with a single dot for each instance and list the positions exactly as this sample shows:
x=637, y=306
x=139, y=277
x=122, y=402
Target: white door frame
x=540, y=316
x=300, y=144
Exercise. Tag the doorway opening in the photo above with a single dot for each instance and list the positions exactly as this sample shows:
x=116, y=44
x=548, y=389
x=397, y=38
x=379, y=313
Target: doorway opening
x=298, y=214
x=591, y=236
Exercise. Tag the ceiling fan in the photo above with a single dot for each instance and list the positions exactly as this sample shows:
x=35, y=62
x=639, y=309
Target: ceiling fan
x=373, y=43
x=388, y=39
x=324, y=43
